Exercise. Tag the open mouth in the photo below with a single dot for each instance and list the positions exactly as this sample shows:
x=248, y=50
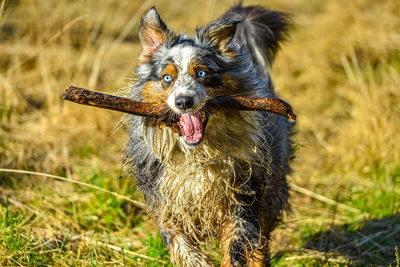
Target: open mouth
x=193, y=126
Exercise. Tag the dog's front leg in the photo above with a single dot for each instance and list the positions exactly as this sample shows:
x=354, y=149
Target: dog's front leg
x=182, y=251
x=242, y=242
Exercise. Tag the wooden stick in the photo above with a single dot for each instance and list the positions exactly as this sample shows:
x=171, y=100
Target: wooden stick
x=96, y=99
x=91, y=98
x=273, y=105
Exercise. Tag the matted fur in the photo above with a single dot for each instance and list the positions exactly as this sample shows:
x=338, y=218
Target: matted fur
x=213, y=170
x=233, y=184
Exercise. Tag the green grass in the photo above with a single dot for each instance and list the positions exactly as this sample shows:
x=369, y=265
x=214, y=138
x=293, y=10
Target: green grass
x=368, y=239
x=340, y=71
x=15, y=246
x=156, y=249
x=92, y=229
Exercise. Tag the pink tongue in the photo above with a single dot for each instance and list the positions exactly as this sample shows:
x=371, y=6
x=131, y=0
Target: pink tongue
x=192, y=128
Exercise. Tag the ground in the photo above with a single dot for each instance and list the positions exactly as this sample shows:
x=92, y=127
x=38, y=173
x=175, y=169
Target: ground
x=340, y=70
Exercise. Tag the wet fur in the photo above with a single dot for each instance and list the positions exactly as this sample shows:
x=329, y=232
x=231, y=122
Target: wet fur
x=233, y=185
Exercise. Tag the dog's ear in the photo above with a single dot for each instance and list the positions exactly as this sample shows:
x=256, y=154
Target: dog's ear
x=219, y=33
x=152, y=32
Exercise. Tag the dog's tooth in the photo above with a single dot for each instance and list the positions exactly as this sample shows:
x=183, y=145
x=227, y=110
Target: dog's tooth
x=184, y=126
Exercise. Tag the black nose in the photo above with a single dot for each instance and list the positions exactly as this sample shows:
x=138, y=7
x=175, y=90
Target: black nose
x=184, y=102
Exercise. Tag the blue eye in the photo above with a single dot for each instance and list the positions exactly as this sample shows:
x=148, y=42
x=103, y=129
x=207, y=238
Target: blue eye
x=167, y=78
x=201, y=74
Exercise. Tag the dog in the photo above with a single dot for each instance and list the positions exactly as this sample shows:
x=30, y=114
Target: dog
x=208, y=174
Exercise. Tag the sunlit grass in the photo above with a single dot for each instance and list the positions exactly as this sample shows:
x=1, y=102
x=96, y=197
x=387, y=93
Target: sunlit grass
x=340, y=71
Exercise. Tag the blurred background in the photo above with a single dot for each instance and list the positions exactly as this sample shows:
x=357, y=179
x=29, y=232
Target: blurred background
x=340, y=70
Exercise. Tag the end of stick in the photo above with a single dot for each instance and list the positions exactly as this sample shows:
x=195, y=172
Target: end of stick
x=67, y=93
x=288, y=110
x=291, y=115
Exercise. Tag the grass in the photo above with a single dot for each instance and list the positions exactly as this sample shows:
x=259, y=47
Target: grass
x=340, y=71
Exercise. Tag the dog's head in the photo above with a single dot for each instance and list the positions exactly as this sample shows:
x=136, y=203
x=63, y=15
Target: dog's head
x=186, y=72
x=229, y=56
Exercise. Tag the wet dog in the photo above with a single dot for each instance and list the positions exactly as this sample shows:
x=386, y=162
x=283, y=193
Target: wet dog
x=212, y=174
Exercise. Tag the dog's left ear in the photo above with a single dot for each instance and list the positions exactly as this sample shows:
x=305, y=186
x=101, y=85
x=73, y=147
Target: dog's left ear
x=152, y=32
x=219, y=33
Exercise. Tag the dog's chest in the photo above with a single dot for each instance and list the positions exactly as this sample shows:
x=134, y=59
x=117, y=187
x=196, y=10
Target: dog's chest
x=197, y=195
x=198, y=186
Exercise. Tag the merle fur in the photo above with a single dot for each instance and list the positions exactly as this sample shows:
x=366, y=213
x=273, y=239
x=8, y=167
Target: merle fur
x=261, y=212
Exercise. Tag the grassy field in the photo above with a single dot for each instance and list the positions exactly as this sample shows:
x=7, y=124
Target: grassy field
x=340, y=70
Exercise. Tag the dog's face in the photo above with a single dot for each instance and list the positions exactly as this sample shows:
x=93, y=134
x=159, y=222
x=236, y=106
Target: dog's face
x=186, y=72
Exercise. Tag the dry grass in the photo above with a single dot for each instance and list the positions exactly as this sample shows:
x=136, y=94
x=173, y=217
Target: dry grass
x=340, y=71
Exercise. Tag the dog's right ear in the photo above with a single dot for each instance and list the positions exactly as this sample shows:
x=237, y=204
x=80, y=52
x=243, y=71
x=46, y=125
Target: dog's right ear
x=152, y=32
